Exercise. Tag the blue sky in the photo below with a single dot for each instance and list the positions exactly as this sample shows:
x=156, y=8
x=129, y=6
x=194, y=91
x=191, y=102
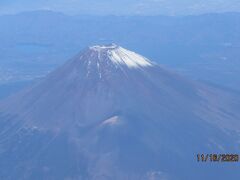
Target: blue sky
x=119, y=7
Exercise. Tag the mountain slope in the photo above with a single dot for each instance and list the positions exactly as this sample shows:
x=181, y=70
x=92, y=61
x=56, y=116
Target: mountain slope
x=109, y=113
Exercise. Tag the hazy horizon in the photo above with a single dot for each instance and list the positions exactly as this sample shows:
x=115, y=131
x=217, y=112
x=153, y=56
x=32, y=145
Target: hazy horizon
x=125, y=7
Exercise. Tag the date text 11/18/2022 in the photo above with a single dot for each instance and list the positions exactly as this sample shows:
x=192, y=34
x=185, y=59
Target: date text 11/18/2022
x=217, y=157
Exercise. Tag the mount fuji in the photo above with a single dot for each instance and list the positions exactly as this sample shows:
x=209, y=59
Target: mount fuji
x=109, y=113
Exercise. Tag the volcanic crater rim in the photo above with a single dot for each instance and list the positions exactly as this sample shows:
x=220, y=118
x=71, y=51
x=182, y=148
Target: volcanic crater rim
x=104, y=47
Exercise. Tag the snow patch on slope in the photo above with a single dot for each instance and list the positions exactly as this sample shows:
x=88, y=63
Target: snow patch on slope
x=129, y=58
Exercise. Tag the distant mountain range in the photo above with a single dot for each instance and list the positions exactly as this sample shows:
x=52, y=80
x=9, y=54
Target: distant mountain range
x=204, y=47
x=111, y=114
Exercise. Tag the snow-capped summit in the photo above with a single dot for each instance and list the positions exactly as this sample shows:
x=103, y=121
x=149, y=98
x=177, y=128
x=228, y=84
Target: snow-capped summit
x=102, y=62
x=119, y=56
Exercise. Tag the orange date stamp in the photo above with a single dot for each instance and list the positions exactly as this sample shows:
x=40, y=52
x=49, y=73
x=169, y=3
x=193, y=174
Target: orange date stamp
x=217, y=157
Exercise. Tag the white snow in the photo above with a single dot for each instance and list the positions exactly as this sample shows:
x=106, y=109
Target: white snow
x=111, y=121
x=128, y=58
x=121, y=56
